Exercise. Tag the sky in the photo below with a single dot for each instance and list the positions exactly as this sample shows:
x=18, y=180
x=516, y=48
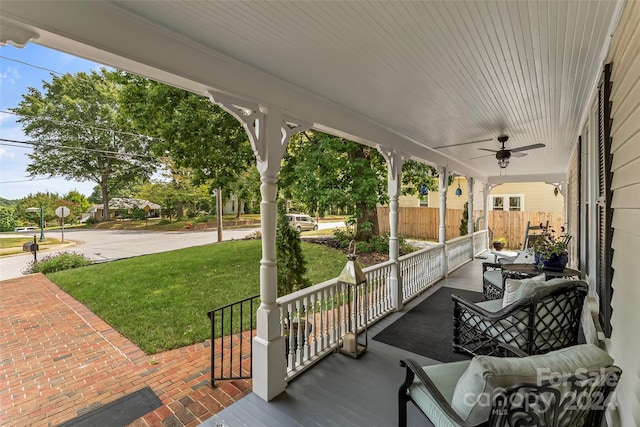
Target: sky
x=15, y=78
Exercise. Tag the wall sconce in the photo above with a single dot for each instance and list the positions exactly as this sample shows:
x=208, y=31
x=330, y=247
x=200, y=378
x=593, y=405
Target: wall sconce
x=351, y=278
x=458, y=190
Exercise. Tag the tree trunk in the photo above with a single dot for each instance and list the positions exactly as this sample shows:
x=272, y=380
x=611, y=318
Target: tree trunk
x=368, y=216
x=180, y=209
x=106, y=215
x=239, y=212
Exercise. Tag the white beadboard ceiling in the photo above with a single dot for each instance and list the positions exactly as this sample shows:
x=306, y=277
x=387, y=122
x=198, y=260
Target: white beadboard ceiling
x=406, y=75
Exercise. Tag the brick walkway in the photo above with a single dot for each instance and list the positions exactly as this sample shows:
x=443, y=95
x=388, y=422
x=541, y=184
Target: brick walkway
x=59, y=360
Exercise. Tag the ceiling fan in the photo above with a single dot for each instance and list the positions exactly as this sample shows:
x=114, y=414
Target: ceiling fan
x=503, y=154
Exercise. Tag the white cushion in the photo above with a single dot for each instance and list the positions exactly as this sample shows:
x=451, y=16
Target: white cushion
x=517, y=289
x=472, y=395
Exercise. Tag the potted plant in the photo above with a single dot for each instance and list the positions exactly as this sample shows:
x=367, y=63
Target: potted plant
x=551, y=252
x=498, y=243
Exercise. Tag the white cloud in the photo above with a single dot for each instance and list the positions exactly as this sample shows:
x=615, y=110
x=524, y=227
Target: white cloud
x=6, y=154
x=11, y=75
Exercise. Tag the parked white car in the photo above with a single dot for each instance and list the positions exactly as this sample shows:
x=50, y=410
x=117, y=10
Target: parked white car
x=302, y=222
x=24, y=229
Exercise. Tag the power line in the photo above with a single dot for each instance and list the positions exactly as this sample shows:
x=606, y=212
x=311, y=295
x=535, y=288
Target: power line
x=24, y=180
x=61, y=122
x=31, y=65
x=94, y=150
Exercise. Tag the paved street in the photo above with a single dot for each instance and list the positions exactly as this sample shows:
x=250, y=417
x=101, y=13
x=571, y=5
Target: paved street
x=108, y=245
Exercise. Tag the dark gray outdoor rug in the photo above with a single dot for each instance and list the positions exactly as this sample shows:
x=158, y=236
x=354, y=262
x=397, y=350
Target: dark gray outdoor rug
x=120, y=412
x=427, y=329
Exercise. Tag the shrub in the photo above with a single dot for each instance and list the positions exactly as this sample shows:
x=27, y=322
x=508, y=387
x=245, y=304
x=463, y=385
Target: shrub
x=256, y=235
x=290, y=260
x=379, y=244
x=92, y=221
x=57, y=262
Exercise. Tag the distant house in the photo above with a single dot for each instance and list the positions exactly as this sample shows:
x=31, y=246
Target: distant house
x=120, y=207
x=514, y=196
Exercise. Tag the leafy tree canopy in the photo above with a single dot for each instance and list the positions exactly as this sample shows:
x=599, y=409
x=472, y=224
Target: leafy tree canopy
x=176, y=192
x=8, y=220
x=76, y=134
x=194, y=132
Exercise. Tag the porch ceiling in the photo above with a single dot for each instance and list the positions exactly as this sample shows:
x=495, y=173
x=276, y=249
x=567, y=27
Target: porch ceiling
x=407, y=75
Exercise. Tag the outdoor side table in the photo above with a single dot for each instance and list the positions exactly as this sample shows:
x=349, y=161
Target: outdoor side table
x=522, y=271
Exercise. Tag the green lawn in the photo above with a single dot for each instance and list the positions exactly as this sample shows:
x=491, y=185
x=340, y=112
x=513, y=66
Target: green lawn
x=161, y=301
x=13, y=245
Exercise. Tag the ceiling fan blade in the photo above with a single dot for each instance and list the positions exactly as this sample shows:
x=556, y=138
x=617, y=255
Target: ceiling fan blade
x=487, y=149
x=518, y=154
x=480, y=157
x=462, y=143
x=527, y=147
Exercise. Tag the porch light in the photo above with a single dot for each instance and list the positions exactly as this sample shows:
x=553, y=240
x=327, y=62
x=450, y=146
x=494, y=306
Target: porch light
x=503, y=157
x=350, y=279
x=458, y=190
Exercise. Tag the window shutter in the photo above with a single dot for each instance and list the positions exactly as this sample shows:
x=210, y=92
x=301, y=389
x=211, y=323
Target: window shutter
x=604, y=211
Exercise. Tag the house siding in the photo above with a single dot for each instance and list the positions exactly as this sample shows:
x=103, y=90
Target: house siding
x=538, y=196
x=624, y=344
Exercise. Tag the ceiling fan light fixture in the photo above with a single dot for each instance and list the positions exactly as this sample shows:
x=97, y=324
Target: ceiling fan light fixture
x=503, y=157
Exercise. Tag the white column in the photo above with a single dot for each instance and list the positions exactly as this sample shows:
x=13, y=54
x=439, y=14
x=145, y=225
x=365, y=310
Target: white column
x=485, y=204
x=395, y=161
x=442, y=235
x=269, y=132
x=470, y=223
x=444, y=185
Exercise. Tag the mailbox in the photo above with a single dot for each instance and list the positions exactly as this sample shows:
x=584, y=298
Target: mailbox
x=30, y=247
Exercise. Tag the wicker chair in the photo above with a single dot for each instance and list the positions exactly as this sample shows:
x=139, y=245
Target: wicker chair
x=492, y=280
x=569, y=388
x=546, y=320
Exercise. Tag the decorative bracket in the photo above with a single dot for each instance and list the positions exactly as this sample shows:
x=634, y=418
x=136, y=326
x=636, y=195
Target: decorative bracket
x=15, y=34
x=258, y=122
x=559, y=187
x=395, y=161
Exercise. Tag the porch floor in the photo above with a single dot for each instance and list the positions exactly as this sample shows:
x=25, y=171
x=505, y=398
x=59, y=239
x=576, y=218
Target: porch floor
x=342, y=391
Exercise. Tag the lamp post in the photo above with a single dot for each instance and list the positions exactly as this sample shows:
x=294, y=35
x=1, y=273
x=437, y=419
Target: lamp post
x=41, y=210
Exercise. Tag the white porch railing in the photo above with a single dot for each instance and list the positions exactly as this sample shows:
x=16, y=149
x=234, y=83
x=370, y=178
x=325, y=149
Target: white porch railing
x=314, y=319
x=419, y=270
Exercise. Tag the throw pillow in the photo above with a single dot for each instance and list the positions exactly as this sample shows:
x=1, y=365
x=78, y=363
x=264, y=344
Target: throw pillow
x=514, y=289
x=472, y=396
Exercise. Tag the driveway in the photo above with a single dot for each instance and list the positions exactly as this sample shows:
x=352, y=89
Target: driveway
x=109, y=245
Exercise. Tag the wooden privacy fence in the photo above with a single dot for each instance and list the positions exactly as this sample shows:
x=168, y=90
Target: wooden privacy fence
x=423, y=223
x=512, y=225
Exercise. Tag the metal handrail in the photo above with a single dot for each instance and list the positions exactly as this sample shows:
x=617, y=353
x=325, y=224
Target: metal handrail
x=234, y=333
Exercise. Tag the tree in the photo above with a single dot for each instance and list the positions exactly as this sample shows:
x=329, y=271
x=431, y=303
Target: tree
x=176, y=192
x=196, y=133
x=418, y=179
x=8, y=220
x=322, y=171
x=76, y=135
x=80, y=203
x=48, y=201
